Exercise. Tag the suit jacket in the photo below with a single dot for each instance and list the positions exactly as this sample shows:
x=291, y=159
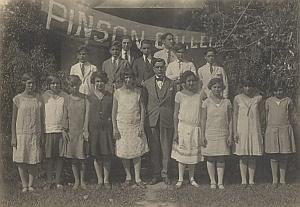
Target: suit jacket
x=142, y=70
x=86, y=87
x=113, y=73
x=159, y=102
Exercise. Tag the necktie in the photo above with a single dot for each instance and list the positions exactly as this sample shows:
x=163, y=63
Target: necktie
x=211, y=68
x=82, y=68
x=126, y=55
x=115, y=62
x=169, y=57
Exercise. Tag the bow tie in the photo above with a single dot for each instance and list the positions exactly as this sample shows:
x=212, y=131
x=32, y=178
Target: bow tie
x=159, y=78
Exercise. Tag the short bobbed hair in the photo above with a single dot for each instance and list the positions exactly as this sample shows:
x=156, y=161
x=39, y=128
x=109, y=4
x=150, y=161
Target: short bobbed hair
x=187, y=74
x=28, y=76
x=101, y=75
x=127, y=72
x=74, y=80
x=214, y=81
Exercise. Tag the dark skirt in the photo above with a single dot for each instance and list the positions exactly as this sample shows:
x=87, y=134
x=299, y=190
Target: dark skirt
x=101, y=146
x=53, y=145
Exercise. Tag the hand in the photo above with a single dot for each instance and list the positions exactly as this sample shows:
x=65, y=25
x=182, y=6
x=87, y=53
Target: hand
x=65, y=136
x=85, y=135
x=116, y=134
x=175, y=138
x=203, y=142
x=236, y=139
x=13, y=142
x=229, y=141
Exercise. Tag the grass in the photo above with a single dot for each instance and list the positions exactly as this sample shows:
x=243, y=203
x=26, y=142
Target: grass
x=261, y=195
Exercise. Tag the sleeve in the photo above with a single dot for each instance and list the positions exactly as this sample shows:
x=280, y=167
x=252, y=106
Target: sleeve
x=200, y=75
x=229, y=103
x=116, y=95
x=65, y=114
x=259, y=98
x=225, y=80
x=169, y=72
x=193, y=68
x=72, y=71
x=267, y=103
x=290, y=104
x=16, y=101
x=236, y=100
x=178, y=97
x=94, y=68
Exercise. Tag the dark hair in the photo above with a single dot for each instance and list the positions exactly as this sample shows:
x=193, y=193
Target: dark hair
x=126, y=37
x=127, y=72
x=99, y=74
x=146, y=42
x=179, y=46
x=279, y=84
x=214, y=81
x=187, y=74
x=82, y=48
x=74, y=79
x=211, y=49
x=164, y=36
x=28, y=76
x=160, y=60
x=116, y=44
x=51, y=78
x=248, y=81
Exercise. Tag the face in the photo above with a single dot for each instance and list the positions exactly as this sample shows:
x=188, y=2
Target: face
x=128, y=80
x=210, y=57
x=169, y=42
x=146, y=49
x=115, y=51
x=55, y=86
x=30, y=86
x=159, y=69
x=126, y=44
x=279, y=93
x=180, y=54
x=74, y=88
x=191, y=83
x=81, y=56
x=99, y=84
x=217, y=89
x=247, y=90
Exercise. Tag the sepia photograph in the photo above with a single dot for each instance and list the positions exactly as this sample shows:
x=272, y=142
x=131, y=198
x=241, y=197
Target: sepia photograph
x=149, y=103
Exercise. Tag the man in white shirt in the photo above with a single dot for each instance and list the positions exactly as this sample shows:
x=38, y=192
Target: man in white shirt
x=211, y=70
x=167, y=52
x=83, y=69
x=177, y=67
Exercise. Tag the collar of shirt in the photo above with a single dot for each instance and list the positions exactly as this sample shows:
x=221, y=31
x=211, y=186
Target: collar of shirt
x=114, y=59
x=127, y=52
x=148, y=58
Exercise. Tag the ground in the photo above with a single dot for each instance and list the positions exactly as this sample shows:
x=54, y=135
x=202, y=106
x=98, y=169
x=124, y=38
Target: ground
x=158, y=195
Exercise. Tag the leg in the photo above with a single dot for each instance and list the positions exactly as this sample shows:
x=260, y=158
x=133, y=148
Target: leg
x=166, y=148
x=191, y=176
x=251, y=169
x=98, y=164
x=32, y=173
x=126, y=165
x=155, y=152
x=137, y=169
x=82, y=174
x=211, y=172
x=243, y=169
x=106, y=169
x=181, y=168
x=75, y=169
x=282, y=168
x=49, y=168
x=220, y=172
x=23, y=175
x=274, y=168
x=59, y=166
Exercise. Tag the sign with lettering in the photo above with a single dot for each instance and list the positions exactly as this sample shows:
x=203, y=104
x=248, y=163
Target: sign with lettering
x=72, y=17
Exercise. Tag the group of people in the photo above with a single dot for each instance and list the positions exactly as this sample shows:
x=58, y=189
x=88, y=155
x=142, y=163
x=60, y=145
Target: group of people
x=159, y=104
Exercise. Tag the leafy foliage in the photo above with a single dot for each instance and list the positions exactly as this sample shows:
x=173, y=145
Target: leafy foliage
x=256, y=38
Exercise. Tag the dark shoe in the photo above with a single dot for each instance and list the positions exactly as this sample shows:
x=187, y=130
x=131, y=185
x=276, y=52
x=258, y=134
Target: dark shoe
x=107, y=186
x=126, y=183
x=167, y=181
x=141, y=185
x=155, y=180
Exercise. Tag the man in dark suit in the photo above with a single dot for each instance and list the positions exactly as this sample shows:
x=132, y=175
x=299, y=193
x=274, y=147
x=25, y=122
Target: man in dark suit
x=143, y=66
x=129, y=52
x=114, y=66
x=159, y=93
